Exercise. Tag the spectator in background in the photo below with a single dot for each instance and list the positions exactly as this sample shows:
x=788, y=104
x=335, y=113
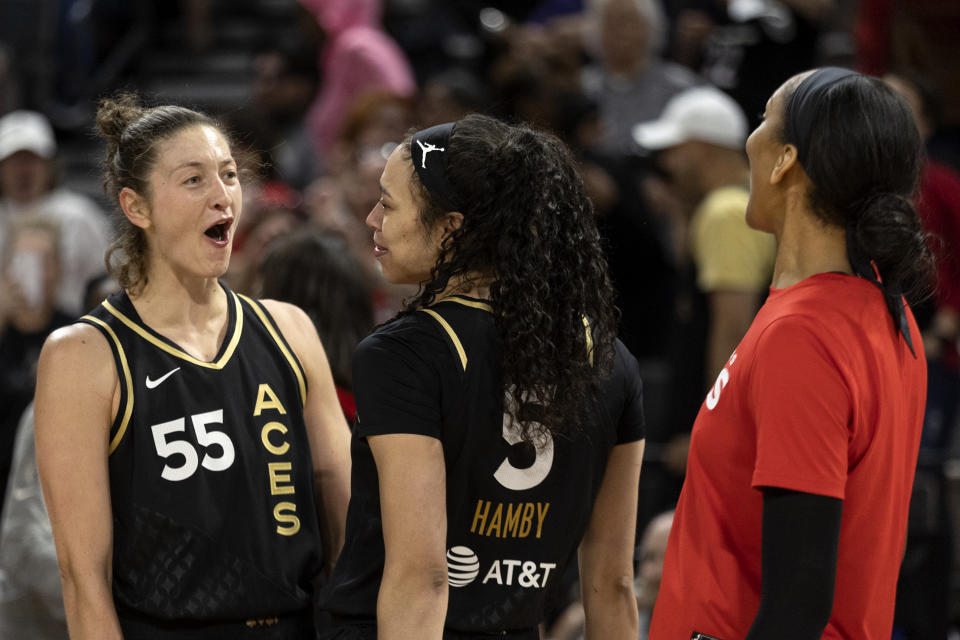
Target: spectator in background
x=938, y=203
x=636, y=240
x=923, y=609
x=319, y=274
x=450, y=95
x=632, y=83
x=339, y=201
x=699, y=138
x=357, y=56
x=747, y=47
x=29, y=279
x=285, y=83
x=9, y=81
x=31, y=597
x=265, y=223
x=28, y=186
x=920, y=35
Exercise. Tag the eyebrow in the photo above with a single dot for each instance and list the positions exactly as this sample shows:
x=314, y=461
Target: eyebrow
x=197, y=163
x=384, y=191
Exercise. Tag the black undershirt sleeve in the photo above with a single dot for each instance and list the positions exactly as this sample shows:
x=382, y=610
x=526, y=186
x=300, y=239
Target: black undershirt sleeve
x=801, y=532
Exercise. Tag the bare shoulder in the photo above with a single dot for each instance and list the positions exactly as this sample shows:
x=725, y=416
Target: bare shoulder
x=77, y=341
x=77, y=357
x=293, y=322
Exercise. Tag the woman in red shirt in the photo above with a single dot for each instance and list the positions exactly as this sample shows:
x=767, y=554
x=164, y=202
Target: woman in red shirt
x=792, y=519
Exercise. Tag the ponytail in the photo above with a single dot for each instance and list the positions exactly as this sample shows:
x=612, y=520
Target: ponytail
x=888, y=232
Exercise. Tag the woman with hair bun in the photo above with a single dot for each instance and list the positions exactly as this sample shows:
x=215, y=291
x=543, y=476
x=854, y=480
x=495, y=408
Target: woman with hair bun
x=499, y=422
x=792, y=519
x=190, y=444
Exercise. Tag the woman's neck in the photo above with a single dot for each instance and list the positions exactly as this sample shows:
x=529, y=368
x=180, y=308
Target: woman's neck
x=192, y=313
x=470, y=285
x=806, y=245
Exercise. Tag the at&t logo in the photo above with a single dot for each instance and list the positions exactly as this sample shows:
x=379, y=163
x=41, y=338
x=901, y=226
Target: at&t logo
x=463, y=566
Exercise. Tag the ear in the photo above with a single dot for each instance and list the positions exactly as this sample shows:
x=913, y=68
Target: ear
x=785, y=161
x=451, y=221
x=135, y=207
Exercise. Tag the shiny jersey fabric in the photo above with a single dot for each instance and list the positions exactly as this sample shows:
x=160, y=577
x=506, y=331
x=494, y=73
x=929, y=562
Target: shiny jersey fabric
x=515, y=513
x=211, y=479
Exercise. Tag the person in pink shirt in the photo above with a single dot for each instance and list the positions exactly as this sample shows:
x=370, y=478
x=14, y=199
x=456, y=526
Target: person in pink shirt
x=357, y=57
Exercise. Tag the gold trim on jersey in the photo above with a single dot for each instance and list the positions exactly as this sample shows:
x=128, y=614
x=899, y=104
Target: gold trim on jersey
x=476, y=304
x=586, y=325
x=283, y=349
x=180, y=353
x=127, y=379
x=453, y=335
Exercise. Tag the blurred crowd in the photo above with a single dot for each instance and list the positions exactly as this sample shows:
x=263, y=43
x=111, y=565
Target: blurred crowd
x=655, y=98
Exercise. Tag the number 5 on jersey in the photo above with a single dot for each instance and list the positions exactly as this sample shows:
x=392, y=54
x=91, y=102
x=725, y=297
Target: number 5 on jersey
x=191, y=459
x=515, y=478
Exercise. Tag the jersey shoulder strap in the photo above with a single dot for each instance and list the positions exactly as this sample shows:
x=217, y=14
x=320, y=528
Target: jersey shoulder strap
x=266, y=320
x=447, y=313
x=103, y=321
x=447, y=323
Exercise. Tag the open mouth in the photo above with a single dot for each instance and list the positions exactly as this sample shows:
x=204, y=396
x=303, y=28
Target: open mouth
x=218, y=231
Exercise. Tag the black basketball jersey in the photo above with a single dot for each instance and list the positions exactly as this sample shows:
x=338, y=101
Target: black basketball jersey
x=515, y=513
x=211, y=479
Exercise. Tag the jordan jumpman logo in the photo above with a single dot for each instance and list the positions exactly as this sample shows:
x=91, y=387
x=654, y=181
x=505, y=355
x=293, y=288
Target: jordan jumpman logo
x=425, y=149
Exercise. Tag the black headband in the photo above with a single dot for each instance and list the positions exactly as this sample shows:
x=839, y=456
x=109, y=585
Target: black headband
x=805, y=104
x=430, y=166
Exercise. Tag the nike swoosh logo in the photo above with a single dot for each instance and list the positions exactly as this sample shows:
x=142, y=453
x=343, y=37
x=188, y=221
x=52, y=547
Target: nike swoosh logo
x=153, y=384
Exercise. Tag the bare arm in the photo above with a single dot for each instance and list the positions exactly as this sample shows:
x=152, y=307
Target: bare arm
x=326, y=427
x=606, y=553
x=731, y=313
x=77, y=395
x=413, y=593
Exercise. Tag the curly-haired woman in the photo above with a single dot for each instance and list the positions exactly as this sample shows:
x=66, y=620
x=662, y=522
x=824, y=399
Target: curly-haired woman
x=499, y=421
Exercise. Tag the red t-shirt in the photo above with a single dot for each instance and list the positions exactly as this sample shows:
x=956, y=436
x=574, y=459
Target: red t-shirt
x=821, y=396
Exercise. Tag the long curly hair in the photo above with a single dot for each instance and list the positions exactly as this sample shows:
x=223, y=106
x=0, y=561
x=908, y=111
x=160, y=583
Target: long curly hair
x=527, y=225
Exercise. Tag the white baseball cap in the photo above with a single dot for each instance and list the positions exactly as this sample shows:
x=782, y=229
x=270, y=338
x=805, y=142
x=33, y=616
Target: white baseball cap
x=701, y=113
x=26, y=131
